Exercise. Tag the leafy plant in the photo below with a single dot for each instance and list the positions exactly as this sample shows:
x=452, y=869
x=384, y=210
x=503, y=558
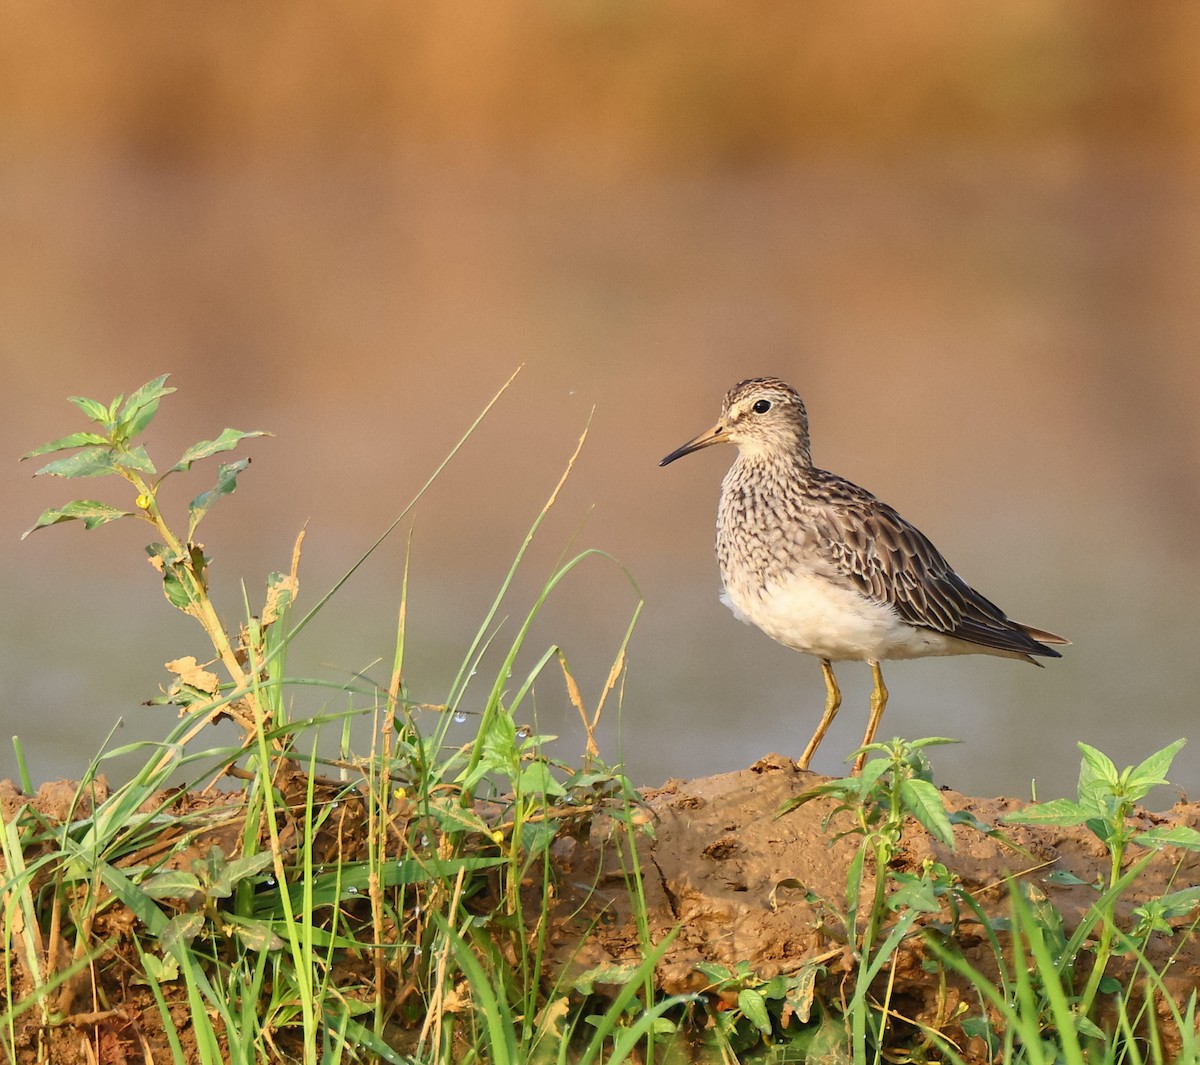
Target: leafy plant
x=751, y=1011
x=112, y=449
x=889, y=790
x=1105, y=803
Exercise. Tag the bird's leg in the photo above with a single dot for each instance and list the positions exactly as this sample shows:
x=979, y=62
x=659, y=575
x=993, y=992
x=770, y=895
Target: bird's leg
x=879, y=698
x=833, y=699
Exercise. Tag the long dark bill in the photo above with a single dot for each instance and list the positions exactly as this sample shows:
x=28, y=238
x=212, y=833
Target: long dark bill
x=715, y=435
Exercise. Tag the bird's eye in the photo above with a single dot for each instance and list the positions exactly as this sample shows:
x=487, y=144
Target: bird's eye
x=762, y=406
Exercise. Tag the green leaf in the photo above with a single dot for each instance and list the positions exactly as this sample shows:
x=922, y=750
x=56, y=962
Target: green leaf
x=536, y=779
x=179, y=932
x=161, y=970
x=1099, y=780
x=1054, y=812
x=1179, y=903
x=1064, y=878
x=171, y=884
x=94, y=409
x=1175, y=836
x=871, y=772
x=915, y=893
x=91, y=513
x=135, y=459
x=753, y=1006
x=238, y=870
x=65, y=442
x=965, y=817
x=141, y=407
x=227, y=475
x=90, y=462
x=924, y=802
x=258, y=936
x=174, y=587
x=227, y=441
x=1153, y=771
x=932, y=741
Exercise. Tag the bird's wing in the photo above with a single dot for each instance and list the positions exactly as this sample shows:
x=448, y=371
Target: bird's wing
x=892, y=561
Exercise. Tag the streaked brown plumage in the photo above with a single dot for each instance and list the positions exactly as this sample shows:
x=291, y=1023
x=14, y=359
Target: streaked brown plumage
x=825, y=567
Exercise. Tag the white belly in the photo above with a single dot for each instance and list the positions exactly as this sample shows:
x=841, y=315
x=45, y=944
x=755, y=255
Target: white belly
x=810, y=614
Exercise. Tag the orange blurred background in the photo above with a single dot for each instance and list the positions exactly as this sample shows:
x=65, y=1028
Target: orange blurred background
x=968, y=234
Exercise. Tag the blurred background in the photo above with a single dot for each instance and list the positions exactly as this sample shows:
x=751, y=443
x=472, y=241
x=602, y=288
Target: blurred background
x=968, y=234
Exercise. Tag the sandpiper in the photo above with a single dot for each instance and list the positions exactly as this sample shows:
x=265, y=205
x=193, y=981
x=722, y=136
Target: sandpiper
x=824, y=567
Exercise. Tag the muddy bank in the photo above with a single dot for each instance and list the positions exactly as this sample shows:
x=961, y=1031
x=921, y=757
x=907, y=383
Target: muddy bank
x=745, y=885
x=742, y=885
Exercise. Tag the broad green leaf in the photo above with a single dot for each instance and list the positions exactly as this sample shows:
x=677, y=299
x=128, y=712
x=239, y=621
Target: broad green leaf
x=1179, y=903
x=924, y=802
x=88, y=511
x=171, y=884
x=227, y=441
x=754, y=1007
x=1153, y=771
x=65, y=442
x=1096, y=769
x=871, y=772
x=141, y=407
x=94, y=409
x=915, y=893
x=179, y=932
x=1176, y=836
x=537, y=780
x=1064, y=877
x=145, y=416
x=238, y=870
x=258, y=936
x=90, y=462
x=135, y=459
x=1054, y=812
x=227, y=475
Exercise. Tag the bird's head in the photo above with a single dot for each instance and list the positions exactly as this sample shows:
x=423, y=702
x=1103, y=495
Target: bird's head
x=762, y=416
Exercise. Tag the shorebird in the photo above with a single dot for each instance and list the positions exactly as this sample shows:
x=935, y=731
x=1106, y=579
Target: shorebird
x=824, y=567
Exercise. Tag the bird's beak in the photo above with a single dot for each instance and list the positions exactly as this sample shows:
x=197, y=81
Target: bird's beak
x=718, y=434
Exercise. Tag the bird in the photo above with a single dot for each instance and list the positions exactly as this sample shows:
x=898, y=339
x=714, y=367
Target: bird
x=825, y=567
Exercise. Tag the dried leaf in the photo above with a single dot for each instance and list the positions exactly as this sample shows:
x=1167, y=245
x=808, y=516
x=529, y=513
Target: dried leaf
x=195, y=675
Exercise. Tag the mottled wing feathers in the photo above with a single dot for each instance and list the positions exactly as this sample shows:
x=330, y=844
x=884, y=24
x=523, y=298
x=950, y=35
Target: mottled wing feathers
x=891, y=561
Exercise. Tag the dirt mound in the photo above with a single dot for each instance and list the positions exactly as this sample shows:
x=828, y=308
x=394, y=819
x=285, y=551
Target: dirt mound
x=744, y=889
x=745, y=885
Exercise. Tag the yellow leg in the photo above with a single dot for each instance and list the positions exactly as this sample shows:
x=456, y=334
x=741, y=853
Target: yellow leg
x=833, y=699
x=879, y=698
